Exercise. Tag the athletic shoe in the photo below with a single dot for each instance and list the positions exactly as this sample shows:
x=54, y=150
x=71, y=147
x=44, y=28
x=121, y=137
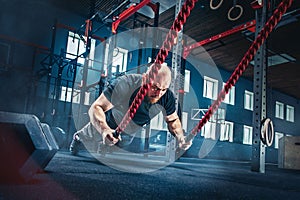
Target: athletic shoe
x=75, y=145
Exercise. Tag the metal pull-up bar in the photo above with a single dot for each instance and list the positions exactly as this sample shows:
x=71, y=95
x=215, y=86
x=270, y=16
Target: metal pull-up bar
x=127, y=13
x=242, y=27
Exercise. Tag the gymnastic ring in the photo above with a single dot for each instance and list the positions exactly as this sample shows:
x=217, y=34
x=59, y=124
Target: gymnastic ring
x=215, y=7
x=239, y=15
x=116, y=51
x=262, y=133
x=264, y=136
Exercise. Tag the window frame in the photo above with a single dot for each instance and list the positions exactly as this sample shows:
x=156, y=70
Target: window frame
x=248, y=102
x=247, y=136
x=290, y=113
x=225, y=133
x=158, y=122
x=209, y=130
x=279, y=110
x=123, y=55
x=76, y=95
x=187, y=79
x=214, y=90
x=72, y=51
x=276, y=139
x=230, y=97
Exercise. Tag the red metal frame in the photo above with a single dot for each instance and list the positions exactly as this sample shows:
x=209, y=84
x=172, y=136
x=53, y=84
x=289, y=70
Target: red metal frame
x=257, y=4
x=24, y=42
x=127, y=13
x=74, y=29
x=153, y=6
x=249, y=25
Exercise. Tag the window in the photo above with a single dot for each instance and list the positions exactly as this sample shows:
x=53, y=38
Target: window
x=276, y=139
x=209, y=130
x=290, y=113
x=219, y=116
x=247, y=135
x=187, y=77
x=226, y=131
x=210, y=88
x=279, y=110
x=66, y=95
x=76, y=46
x=119, y=60
x=184, y=120
x=248, y=100
x=229, y=98
x=158, y=122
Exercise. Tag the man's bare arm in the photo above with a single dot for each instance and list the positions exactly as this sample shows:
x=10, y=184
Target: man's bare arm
x=98, y=119
x=175, y=127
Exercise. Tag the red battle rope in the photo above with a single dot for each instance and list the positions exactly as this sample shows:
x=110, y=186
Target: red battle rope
x=160, y=58
x=261, y=37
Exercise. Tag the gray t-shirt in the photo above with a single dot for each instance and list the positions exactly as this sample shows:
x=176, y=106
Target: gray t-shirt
x=121, y=93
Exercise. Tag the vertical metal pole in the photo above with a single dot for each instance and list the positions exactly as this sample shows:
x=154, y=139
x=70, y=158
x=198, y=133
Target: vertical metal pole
x=176, y=83
x=87, y=56
x=141, y=46
x=84, y=79
x=259, y=88
x=155, y=24
x=70, y=117
x=51, y=62
x=153, y=54
x=58, y=88
x=111, y=43
x=85, y=71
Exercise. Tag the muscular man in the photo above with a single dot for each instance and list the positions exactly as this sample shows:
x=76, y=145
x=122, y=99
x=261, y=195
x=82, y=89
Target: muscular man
x=110, y=107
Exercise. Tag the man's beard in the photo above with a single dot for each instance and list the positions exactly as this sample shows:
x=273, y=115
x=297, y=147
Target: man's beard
x=152, y=99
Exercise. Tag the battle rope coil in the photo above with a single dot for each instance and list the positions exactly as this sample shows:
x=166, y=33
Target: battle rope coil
x=160, y=58
x=261, y=37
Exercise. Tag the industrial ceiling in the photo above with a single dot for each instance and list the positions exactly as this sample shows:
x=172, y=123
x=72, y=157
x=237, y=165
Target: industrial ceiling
x=207, y=20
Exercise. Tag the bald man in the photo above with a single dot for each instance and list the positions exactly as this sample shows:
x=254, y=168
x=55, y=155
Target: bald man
x=108, y=110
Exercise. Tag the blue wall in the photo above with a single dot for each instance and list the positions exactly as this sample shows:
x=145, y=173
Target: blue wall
x=236, y=113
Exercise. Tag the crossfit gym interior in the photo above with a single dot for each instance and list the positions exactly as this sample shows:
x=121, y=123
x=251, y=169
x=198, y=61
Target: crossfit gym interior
x=235, y=80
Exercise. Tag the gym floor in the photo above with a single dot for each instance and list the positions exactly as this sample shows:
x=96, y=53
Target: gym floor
x=84, y=177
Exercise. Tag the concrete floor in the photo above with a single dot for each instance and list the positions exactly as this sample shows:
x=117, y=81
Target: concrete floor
x=84, y=177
